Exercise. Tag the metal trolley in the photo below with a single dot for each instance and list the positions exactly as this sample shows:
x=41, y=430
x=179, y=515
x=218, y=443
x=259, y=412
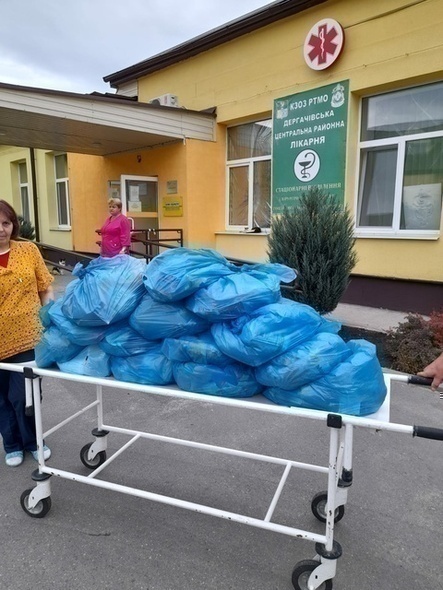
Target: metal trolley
x=327, y=506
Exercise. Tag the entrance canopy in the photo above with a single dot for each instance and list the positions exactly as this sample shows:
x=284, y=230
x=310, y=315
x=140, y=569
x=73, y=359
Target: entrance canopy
x=93, y=124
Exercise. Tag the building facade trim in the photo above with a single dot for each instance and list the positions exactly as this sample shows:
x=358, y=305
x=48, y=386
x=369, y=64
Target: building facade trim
x=227, y=32
x=91, y=124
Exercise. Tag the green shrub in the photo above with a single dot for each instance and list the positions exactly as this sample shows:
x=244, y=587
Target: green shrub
x=411, y=345
x=316, y=239
x=26, y=229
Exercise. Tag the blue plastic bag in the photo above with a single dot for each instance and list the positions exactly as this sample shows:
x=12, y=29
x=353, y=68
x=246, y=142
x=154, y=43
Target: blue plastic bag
x=175, y=274
x=91, y=361
x=304, y=363
x=155, y=320
x=284, y=273
x=235, y=380
x=200, y=349
x=355, y=386
x=43, y=314
x=108, y=290
x=269, y=331
x=81, y=335
x=54, y=347
x=148, y=368
x=240, y=293
x=122, y=340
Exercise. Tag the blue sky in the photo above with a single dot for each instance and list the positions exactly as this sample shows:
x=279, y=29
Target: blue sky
x=70, y=45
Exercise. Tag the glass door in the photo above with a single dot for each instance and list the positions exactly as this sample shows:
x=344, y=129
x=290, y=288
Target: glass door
x=139, y=196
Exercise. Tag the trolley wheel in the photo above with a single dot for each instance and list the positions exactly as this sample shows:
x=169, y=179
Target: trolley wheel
x=301, y=573
x=40, y=510
x=318, y=507
x=96, y=462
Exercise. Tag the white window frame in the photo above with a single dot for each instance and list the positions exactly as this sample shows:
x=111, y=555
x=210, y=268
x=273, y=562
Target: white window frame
x=394, y=232
x=62, y=182
x=249, y=163
x=24, y=186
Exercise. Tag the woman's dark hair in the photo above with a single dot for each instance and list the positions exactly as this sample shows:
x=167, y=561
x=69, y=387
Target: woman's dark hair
x=9, y=212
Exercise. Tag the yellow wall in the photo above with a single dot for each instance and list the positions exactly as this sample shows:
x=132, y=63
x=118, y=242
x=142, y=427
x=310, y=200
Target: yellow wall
x=388, y=44
x=45, y=185
x=205, y=199
x=9, y=190
x=248, y=247
x=89, y=194
x=198, y=168
x=244, y=76
x=409, y=259
x=49, y=231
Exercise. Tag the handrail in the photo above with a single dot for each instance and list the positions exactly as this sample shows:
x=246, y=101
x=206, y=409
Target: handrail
x=53, y=254
x=153, y=244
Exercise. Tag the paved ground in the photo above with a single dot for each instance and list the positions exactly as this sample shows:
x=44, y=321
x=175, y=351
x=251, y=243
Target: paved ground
x=92, y=538
x=369, y=318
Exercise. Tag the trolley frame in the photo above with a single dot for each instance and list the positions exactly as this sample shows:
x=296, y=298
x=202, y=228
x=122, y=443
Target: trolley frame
x=36, y=502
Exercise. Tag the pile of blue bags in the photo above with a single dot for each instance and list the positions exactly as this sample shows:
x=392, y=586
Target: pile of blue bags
x=192, y=318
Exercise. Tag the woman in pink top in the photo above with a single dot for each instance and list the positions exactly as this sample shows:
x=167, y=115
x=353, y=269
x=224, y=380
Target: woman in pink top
x=116, y=231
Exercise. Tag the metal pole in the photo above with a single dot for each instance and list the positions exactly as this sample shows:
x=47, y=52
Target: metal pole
x=34, y=194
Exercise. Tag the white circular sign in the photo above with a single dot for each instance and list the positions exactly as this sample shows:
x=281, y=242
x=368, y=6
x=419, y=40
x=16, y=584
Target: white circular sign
x=306, y=165
x=323, y=44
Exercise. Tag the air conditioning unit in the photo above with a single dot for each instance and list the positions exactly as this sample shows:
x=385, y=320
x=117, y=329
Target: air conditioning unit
x=165, y=100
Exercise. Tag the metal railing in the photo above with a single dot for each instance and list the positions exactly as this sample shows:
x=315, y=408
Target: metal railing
x=61, y=258
x=154, y=240
x=151, y=240
x=151, y=243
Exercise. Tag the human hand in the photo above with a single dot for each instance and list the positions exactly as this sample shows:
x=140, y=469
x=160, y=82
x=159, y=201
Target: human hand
x=47, y=296
x=435, y=371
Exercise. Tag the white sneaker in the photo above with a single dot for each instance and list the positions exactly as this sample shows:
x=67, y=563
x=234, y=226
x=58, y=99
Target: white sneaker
x=14, y=459
x=46, y=453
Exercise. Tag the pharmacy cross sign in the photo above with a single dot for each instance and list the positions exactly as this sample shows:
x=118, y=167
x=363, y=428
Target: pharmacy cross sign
x=323, y=44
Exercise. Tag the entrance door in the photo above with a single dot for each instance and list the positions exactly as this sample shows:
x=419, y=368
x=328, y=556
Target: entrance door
x=139, y=195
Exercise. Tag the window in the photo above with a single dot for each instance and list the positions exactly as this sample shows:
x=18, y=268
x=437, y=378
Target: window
x=249, y=175
x=401, y=156
x=62, y=190
x=24, y=190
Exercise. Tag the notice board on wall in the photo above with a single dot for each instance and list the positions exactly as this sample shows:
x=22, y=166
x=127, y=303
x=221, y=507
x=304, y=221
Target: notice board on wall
x=172, y=206
x=309, y=144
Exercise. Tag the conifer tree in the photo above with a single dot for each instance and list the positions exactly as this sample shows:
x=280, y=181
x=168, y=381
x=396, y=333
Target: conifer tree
x=316, y=239
x=26, y=229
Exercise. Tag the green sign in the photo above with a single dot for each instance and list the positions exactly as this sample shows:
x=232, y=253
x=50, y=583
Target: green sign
x=309, y=144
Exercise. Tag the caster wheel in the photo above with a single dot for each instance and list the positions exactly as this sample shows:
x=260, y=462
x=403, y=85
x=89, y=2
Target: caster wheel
x=301, y=573
x=318, y=507
x=96, y=462
x=40, y=510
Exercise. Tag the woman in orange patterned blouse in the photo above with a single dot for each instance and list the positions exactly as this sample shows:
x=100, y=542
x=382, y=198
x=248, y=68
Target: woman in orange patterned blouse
x=25, y=285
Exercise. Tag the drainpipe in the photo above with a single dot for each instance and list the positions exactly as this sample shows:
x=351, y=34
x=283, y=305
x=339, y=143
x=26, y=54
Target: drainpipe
x=34, y=194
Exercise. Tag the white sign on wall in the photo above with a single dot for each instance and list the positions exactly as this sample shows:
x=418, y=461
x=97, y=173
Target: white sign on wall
x=323, y=44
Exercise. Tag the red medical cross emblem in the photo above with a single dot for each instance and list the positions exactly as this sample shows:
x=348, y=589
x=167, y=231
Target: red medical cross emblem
x=323, y=44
